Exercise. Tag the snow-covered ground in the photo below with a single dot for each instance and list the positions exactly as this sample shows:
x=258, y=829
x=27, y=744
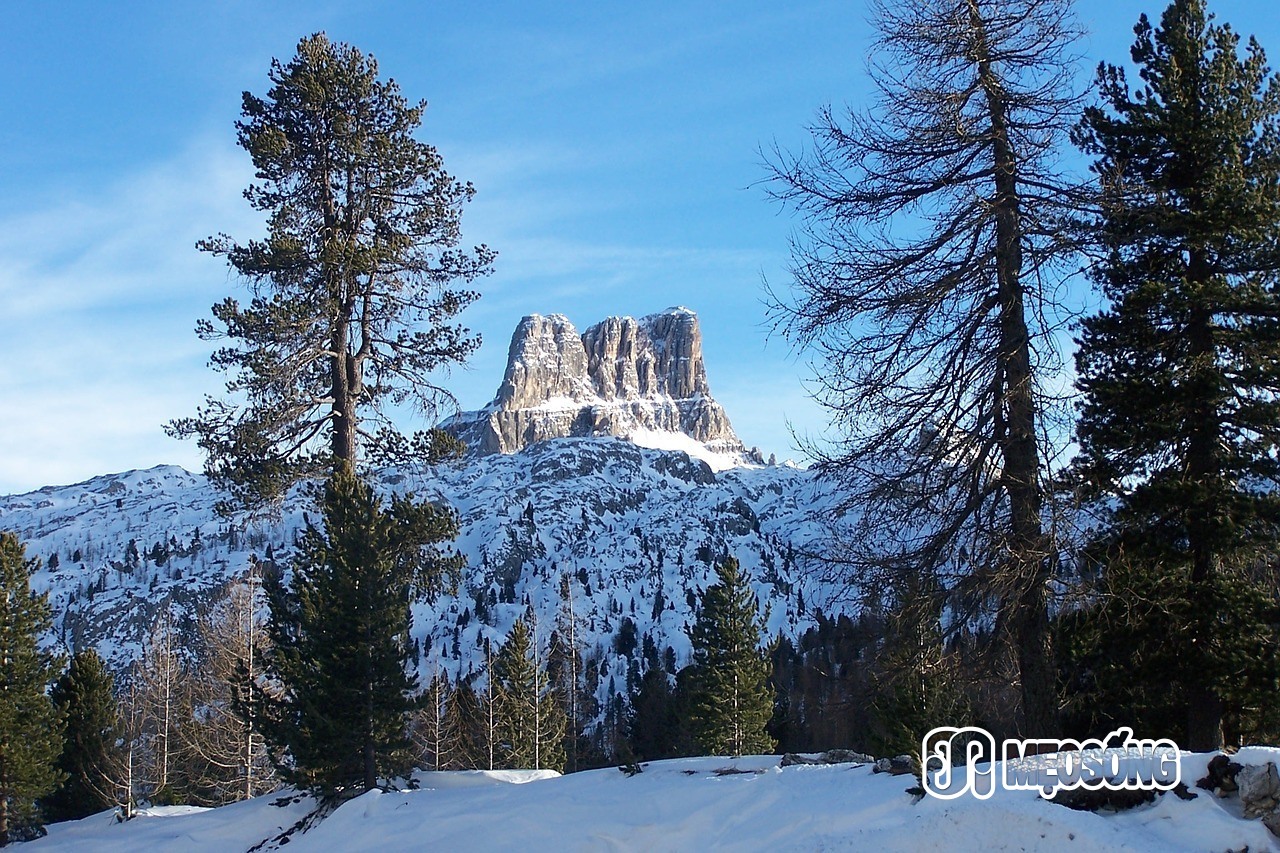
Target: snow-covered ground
x=685, y=804
x=666, y=440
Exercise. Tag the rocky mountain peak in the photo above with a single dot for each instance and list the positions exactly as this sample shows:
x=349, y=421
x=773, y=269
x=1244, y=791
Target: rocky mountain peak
x=546, y=362
x=622, y=376
x=657, y=356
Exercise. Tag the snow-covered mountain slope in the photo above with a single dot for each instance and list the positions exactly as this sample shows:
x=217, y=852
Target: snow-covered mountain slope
x=636, y=529
x=686, y=804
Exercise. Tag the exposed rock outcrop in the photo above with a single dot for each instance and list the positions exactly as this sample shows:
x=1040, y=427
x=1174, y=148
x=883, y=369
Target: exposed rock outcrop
x=620, y=377
x=546, y=362
x=1259, y=789
x=831, y=756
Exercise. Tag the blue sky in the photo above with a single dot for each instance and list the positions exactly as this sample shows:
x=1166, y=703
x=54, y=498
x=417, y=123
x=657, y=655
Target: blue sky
x=614, y=147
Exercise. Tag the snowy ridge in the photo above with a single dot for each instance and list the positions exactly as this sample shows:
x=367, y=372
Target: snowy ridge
x=659, y=440
x=630, y=525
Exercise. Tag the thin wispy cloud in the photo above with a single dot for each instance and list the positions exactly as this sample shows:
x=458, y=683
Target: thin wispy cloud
x=105, y=288
x=102, y=293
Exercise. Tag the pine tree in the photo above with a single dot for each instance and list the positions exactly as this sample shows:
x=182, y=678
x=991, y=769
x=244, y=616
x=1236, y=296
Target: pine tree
x=513, y=677
x=564, y=671
x=732, y=698
x=531, y=722
x=352, y=288
x=340, y=636
x=564, y=680
x=1125, y=655
x=655, y=729
x=30, y=726
x=1180, y=425
x=915, y=684
x=91, y=756
x=464, y=716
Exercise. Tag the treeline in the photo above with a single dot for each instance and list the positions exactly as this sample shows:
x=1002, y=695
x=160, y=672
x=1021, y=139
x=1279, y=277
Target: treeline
x=201, y=723
x=175, y=727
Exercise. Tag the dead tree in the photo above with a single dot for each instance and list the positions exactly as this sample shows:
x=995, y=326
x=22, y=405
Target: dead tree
x=928, y=266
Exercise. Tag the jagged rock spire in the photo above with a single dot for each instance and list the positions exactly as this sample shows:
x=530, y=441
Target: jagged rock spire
x=620, y=377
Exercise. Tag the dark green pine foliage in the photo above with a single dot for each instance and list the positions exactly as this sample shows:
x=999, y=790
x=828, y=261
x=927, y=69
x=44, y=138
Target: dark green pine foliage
x=566, y=674
x=91, y=754
x=1125, y=658
x=341, y=636
x=658, y=724
x=353, y=289
x=916, y=684
x=1180, y=424
x=732, y=699
x=530, y=720
x=464, y=717
x=564, y=677
x=30, y=727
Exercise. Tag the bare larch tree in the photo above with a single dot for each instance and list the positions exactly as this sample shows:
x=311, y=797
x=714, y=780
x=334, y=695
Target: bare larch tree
x=928, y=269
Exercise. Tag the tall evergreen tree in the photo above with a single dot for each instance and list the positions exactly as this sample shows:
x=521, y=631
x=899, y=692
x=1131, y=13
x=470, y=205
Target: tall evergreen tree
x=340, y=636
x=352, y=289
x=30, y=726
x=656, y=728
x=91, y=755
x=564, y=671
x=914, y=686
x=1125, y=655
x=464, y=716
x=1180, y=425
x=732, y=700
x=531, y=722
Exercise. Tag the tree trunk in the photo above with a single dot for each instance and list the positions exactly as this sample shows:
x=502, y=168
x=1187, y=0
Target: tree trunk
x=1029, y=570
x=1204, y=719
x=370, y=766
x=344, y=423
x=343, y=442
x=4, y=805
x=1204, y=711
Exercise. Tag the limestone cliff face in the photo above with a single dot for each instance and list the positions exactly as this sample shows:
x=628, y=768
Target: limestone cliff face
x=546, y=362
x=619, y=377
x=658, y=356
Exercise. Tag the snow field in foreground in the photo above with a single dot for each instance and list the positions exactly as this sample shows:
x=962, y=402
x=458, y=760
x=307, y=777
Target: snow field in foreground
x=684, y=804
